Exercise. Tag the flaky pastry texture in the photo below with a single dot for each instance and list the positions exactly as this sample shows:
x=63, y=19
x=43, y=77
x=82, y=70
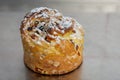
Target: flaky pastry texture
x=52, y=43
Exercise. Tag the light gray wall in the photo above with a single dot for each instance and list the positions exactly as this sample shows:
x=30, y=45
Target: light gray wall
x=105, y=6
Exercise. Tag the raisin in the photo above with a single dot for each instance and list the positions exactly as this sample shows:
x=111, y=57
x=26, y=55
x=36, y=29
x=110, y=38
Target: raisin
x=47, y=39
x=33, y=36
x=73, y=31
x=72, y=41
x=50, y=30
x=36, y=22
x=29, y=28
x=37, y=32
x=41, y=28
x=78, y=53
x=77, y=47
x=56, y=24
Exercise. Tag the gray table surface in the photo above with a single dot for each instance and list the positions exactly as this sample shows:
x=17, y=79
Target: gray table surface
x=101, y=52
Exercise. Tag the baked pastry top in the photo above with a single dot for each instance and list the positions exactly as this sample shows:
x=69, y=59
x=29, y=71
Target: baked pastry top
x=45, y=24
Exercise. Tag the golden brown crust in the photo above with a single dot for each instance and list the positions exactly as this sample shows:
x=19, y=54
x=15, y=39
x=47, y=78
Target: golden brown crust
x=56, y=46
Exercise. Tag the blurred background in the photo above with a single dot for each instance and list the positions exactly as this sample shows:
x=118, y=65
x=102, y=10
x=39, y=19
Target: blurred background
x=105, y=6
x=101, y=21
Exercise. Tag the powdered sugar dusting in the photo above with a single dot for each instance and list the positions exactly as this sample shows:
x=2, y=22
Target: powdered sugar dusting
x=67, y=22
x=38, y=9
x=44, y=15
x=58, y=14
x=51, y=23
